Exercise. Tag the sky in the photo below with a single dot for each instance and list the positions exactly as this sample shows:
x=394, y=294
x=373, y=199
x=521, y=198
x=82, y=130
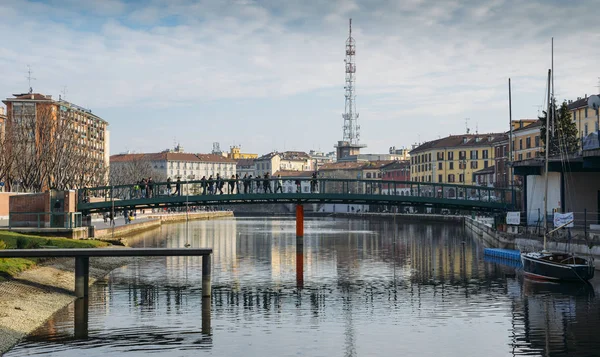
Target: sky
x=269, y=74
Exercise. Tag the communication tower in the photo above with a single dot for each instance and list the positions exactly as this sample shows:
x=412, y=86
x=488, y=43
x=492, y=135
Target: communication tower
x=350, y=145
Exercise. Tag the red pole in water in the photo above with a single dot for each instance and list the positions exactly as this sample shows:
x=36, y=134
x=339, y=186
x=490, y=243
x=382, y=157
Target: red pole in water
x=299, y=220
x=299, y=246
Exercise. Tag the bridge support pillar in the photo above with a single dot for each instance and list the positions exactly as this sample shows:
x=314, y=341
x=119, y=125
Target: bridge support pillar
x=299, y=246
x=206, y=276
x=82, y=276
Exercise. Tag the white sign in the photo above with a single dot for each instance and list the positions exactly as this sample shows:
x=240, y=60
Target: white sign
x=513, y=218
x=563, y=218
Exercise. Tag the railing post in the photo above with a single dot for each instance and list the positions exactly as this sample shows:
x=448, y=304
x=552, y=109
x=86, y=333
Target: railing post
x=82, y=270
x=299, y=221
x=206, y=271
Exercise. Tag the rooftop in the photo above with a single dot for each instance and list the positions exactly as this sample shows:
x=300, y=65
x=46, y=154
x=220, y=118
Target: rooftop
x=171, y=156
x=460, y=141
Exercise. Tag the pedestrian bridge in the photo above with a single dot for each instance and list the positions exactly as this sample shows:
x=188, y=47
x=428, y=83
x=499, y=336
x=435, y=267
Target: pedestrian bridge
x=297, y=191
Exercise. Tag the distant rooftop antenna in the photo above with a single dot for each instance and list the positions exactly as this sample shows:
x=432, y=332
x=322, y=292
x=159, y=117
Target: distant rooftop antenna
x=467, y=124
x=216, y=148
x=64, y=93
x=29, y=78
x=476, y=128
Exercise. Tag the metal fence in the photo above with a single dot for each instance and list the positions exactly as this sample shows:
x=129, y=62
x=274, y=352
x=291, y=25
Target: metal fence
x=45, y=219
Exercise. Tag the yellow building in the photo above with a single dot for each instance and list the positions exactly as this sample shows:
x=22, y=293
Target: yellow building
x=235, y=154
x=586, y=119
x=453, y=159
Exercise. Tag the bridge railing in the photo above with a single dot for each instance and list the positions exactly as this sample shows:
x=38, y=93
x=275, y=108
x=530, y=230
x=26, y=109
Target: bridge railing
x=286, y=185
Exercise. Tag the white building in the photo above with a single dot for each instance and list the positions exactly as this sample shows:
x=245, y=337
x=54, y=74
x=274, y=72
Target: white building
x=283, y=161
x=186, y=166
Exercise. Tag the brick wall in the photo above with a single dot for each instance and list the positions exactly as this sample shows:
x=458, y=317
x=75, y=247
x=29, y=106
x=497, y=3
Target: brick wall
x=35, y=202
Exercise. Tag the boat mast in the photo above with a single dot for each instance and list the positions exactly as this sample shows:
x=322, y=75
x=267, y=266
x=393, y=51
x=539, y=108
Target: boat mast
x=547, y=147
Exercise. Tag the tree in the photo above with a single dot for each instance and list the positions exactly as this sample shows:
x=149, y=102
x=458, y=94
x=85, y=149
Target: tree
x=563, y=131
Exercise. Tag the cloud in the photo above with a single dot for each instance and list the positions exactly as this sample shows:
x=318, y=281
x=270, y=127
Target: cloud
x=421, y=64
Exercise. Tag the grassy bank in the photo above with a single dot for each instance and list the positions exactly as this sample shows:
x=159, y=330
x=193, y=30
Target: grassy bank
x=13, y=240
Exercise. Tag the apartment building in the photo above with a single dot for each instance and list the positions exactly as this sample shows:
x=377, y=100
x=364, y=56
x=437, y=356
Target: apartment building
x=527, y=143
x=586, y=119
x=40, y=120
x=453, y=159
x=283, y=161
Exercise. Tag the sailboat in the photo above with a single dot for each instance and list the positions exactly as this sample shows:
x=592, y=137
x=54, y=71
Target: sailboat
x=555, y=266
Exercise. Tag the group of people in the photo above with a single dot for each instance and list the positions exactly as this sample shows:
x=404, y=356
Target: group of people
x=248, y=184
x=144, y=188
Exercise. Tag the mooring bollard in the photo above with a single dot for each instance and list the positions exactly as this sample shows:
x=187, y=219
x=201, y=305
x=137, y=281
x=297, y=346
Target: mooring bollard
x=82, y=276
x=206, y=276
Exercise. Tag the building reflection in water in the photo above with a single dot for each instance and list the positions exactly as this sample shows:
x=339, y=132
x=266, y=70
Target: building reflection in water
x=552, y=319
x=346, y=276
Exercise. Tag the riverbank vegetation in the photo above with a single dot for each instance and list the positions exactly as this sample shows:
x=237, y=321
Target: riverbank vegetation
x=12, y=240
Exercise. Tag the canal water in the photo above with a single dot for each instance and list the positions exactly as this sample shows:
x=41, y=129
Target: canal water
x=355, y=288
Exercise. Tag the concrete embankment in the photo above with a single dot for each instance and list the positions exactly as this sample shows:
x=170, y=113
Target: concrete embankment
x=30, y=299
x=156, y=220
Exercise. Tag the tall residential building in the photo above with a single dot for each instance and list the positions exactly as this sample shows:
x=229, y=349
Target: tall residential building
x=236, y=154
x=453, y=159
x=45, y=120
x=527, y=143
x=586, y=119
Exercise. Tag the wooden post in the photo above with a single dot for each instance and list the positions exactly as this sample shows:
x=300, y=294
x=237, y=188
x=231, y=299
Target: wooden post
x=206, y=276
x=206, y=315
x=82, y=276
x=81, y=318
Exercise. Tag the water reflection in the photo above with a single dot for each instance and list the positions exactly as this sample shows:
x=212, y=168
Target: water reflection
x=348, y=288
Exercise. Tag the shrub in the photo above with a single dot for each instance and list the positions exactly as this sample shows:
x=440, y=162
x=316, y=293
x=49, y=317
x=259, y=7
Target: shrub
x=21, y=243
x=34, y=244
x=2, y=244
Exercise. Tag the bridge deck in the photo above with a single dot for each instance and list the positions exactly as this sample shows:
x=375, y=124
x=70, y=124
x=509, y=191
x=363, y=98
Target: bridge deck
x=295, y=190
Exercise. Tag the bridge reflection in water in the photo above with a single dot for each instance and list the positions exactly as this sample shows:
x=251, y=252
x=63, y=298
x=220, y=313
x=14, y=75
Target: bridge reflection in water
x=363, y=283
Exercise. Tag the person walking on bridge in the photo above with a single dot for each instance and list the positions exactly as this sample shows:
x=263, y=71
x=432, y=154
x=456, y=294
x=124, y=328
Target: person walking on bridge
x=203, y=185
x=178, y=187
x=232, y=185
x=267, y=183
x=220, y=184
x=279, y=184
x=211, y=185
x=245, y=183
x=168, y=186
x=150, y=188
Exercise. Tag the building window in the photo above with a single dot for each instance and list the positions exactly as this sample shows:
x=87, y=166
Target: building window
x=440, y=165
x=520, y=144
x=368, y=175
x=529, y=155
x=520, y=156
x=440, y=178
x=586, y=127
x=451, y=178
x=440, y=156
x=473, y=164
x=537, y=141
x=429, y=179
x=451, y=165
x=474, y=154
x=462, y=165
x=429, y=166
x=528, y=142
x=484, y=154
x=461, y=178
x=574, y=115
x=462, y=155
x=586, y=112
x=485, y=164
x=451, y=155
x=429, y=156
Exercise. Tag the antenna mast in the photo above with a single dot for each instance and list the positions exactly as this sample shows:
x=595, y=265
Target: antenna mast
x=29, y=78
x=351, y=128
